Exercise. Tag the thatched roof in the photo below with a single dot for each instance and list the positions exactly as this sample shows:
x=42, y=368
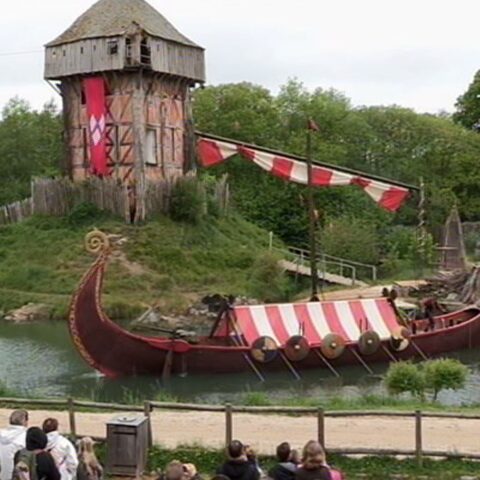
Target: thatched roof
x=110, y=18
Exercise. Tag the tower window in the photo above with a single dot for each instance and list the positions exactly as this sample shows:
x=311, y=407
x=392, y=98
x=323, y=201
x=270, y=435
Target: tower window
x=145, y=52
x=112, y=47
x=151, y=147
x=81, y=50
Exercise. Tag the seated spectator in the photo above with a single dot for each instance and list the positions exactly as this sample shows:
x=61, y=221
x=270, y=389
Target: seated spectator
x=237, y=466
x=253, y=459
x=12, y=439
x=35, y=456
x=285, y=468
x=313, y=463
x=176, y=470
x=89, y=468
x=62, y=450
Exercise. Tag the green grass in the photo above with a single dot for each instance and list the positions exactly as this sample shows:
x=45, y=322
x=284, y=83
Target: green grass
x=43, y=259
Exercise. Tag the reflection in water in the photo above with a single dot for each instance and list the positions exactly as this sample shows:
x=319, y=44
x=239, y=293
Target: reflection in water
x=40, y=360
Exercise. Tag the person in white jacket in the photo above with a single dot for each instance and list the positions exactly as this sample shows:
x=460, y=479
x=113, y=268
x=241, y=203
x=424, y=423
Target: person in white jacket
x=12, y=439
x=61, y=449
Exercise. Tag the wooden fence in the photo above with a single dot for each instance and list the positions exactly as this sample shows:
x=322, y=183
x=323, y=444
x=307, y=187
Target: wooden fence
x=59, y=196
x=318, y=416
x=16, y=212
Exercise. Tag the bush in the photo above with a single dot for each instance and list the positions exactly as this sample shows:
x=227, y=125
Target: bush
x=188, y=202
x=267, y=281
x=405, y=377
x=85, y=213
x=351, y=238
x=445, y=373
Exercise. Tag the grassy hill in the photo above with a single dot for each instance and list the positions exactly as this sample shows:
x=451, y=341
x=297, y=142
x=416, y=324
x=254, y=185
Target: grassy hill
x=163, y=262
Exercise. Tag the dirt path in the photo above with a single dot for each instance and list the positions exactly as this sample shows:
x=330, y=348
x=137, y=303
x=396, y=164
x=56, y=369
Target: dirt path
x=264, y=432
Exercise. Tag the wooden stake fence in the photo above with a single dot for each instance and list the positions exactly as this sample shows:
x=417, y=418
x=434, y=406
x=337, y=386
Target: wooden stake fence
x=228, y=410
x=59, y=196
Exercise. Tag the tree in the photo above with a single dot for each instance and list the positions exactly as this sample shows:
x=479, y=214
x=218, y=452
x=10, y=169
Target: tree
x=468, y=105
x=446, y=373
x=405, y=377
x=30, y=145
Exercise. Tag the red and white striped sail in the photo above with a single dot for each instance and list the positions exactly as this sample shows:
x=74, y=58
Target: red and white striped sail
x=388, y=196
x=315, y=320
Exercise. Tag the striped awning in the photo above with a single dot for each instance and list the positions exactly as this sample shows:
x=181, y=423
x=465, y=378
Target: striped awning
x=316, y=320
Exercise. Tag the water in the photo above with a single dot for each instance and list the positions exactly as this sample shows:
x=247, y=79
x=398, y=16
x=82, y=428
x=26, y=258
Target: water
x=40, y=360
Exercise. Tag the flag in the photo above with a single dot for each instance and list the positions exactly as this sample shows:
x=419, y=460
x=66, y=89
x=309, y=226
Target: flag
x=94, y=88
x=388, y=196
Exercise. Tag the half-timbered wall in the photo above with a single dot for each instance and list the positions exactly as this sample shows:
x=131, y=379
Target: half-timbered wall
x=162, y=135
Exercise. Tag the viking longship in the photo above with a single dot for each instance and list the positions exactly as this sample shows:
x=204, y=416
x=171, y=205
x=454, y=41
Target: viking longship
x=261, y=338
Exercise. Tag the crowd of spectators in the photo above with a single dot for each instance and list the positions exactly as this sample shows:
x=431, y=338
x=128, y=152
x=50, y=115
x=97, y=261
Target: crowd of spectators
x=242, y=464
x=34, y=453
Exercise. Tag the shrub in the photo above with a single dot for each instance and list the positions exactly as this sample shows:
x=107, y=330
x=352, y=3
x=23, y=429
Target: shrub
x=85, y=213
x=188, y=203
x=445, y=373
x=405, y=377
x=351, y=238
x=267, y=281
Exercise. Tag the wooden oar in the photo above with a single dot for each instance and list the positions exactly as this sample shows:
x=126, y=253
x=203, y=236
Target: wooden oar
x=389, y=353
x=361, y=360
x=289, y=365
x=236, y=340
x=167, y=366
x=326, y=362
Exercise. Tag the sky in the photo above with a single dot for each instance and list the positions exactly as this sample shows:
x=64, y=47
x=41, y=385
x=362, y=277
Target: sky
x=419, y=54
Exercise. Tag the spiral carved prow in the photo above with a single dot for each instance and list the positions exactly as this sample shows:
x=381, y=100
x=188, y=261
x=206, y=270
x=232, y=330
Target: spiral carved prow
x=97, y=242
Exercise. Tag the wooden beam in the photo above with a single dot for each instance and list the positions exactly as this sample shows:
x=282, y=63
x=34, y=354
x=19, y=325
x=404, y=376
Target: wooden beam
x=303, y=159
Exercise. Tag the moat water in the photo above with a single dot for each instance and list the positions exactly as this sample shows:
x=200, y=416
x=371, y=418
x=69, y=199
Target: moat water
x=40, y=360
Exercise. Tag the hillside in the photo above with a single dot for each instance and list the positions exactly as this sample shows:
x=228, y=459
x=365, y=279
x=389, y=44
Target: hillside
x=164, y=263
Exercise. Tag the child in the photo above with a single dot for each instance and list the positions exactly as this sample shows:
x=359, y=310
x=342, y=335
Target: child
x=89, y=467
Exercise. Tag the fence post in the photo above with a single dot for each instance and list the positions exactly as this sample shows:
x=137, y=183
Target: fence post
x=374, y=274
x=270, y=241
x=321, y=427
x=71, y=418
x=228, y=424
x=418, y=438
x=147, y=409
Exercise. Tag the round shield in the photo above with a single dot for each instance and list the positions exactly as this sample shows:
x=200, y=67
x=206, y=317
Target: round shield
x=297, y=348
x=264, y=349
x=399, y=340
x=332, y=346
x=369, y=342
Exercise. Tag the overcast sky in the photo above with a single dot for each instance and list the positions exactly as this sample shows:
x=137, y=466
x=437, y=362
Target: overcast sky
x=415, y=53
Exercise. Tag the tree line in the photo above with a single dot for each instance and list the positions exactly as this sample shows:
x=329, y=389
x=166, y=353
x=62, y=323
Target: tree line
x=392, y=142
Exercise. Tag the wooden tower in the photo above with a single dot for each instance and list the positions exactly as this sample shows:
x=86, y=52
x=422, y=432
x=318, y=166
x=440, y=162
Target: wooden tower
x=142, y=69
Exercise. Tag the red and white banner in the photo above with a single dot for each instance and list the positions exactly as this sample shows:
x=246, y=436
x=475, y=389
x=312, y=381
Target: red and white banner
x=316, y=320
x=213, y=152
x=94, y=88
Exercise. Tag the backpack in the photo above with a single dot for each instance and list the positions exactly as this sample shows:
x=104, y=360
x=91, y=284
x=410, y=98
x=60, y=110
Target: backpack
x=25, y=467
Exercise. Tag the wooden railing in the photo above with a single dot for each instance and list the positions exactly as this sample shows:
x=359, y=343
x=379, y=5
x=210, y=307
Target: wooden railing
x=318, y=415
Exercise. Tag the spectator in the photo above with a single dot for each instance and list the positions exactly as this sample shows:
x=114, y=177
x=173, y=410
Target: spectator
x=313, y=463
x=285, y=468
x=176, y=470
x=35, y=456
x=89, y=467
x=253, y=459
x=237, y=466
x=62, y=450
x=12, y=439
